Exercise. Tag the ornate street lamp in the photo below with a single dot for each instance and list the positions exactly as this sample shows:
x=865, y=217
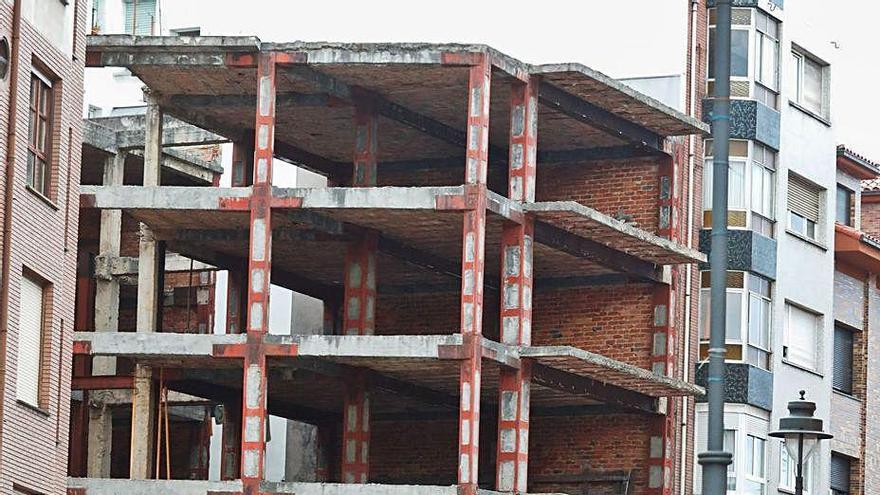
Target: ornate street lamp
x=802, y=432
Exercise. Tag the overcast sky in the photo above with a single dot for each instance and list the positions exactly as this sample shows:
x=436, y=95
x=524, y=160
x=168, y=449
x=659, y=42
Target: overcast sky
x=619, y=37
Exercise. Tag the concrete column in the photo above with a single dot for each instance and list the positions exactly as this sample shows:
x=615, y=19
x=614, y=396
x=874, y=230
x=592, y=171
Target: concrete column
x=516, y=294
x=254, y=417
x=360, y=303
x=153, y=126
x=231, y=443
x=106, y=320
x=661, y=455
x=144, y=396
x=472, y=270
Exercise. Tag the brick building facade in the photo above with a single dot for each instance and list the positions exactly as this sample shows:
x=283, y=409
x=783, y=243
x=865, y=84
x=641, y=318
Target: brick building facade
x=40, y=104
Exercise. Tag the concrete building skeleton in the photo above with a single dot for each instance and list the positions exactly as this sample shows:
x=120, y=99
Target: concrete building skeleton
x=447, y=213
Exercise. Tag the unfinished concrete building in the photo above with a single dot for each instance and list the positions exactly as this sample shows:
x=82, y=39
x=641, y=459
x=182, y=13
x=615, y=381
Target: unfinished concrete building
x=107, y=298
x=499, y=252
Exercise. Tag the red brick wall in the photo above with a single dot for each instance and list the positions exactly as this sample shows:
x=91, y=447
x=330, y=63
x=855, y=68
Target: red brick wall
x=430, y=314
x=871, y=216
x=574, y=445
x=43, y=239
x=612, y=320
x=627, y=186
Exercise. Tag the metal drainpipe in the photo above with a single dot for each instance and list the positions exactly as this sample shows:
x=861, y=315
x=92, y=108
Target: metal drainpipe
x=8, y=190
x=715, y=460
x=688, y=298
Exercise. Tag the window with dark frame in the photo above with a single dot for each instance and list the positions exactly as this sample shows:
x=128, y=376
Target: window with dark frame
x=843, y=359
x=840, y=474
x=843, y=209
x=40, y=134
x=803, y=207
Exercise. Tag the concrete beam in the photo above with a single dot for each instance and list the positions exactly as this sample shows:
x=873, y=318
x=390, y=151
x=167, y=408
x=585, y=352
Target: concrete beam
x=379, y=346
x=288, y=98
x=119, y=266
x=598, y=118
x=153, y=345
x=163, y=198
x=391, y=198
x=95, y=486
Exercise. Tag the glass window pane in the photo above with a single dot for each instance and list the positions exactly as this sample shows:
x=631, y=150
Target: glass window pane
x=757, y=188
x=710, y=46
x=739, y=53
x=736, y=186
x=843, y=206
x=707, y=185
x=768, y=193
x=794, y=78
x=734, y=316
x=704, y=314
x=812, y=86
x=739, y=148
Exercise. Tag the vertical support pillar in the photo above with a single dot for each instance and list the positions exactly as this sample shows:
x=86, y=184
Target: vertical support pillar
x=360, y=302
x=106, y=320
x=473, y=248
x=143, y=407
x=231, y=443
x=661, y=455
x=516, y=294
x=253, y=441
x=236, y=285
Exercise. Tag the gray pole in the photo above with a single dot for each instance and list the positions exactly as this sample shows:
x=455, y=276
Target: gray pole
x=715, y=460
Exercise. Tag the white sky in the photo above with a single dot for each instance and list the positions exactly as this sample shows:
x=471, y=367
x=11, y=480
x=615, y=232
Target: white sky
x=620, y=38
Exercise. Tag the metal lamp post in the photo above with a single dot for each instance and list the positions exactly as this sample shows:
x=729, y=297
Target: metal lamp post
x=802, y=433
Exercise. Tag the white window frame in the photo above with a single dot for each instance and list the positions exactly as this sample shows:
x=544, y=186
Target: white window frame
x=788, y=470
x=816, y=364
x=746, y=294
x=799, y=57
x=747, y=202
x=29, y=391
x=749, y=469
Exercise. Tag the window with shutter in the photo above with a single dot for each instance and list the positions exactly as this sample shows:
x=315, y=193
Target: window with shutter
x=843, y=359
x=840, y=469
x=801, y=340
x=803, y=206
x=30, y=341
x=140, y=17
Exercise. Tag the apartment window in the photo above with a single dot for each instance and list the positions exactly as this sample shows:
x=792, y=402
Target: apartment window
x=31, y=314
x=748, y=318
x=140, y=17
x=192, y=31
x=843, y=359
x=730, y=446
x=4, y=58
x=803, y=206
x=800, y=342
x=750, y=187
x=840, y=472
x=843, y=209
x=809, y=83
x=788, y=471
x=754, y=64
x=766, y=59
x=40, y=134
x=754, y=478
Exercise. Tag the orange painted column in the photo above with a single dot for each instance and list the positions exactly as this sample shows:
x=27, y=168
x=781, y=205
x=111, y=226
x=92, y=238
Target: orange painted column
x=472, y=270
x=359, y=304
x=511, y=473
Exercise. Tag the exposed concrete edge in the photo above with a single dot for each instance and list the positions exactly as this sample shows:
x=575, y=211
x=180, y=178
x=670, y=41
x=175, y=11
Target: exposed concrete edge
x=697, y=125
x=355, y=489
x=394, y=198
x=558, y=351
x=149, y=344
x=504, y=206
x=125, y=42
x=102, y=486
x=589, y=213
x=378, y=346
x=99, y=136
x=159, y=197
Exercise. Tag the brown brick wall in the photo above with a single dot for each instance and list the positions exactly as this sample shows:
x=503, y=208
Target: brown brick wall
x=613, y=320
x=33, y=453
x=593, y=445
